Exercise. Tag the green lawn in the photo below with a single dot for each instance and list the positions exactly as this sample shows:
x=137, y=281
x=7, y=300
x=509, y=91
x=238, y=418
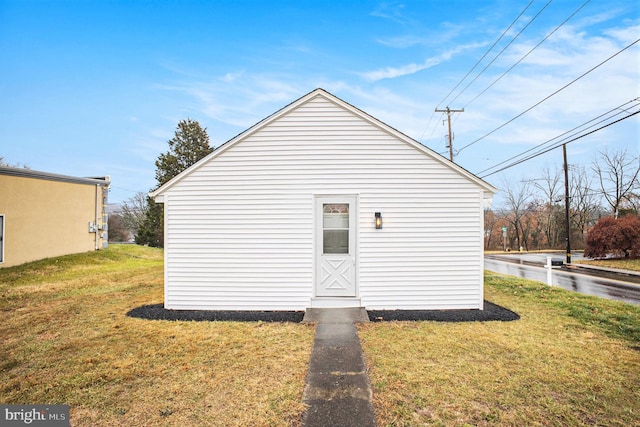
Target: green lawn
x=66, y=339
x=570, y=360
x=623, y=264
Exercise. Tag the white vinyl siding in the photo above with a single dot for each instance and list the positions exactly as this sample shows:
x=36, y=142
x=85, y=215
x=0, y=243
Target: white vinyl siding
x=239, y=227
x=230, y=254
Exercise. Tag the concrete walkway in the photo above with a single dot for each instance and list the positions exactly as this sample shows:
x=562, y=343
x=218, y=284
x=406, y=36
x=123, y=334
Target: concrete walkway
x=338, y=392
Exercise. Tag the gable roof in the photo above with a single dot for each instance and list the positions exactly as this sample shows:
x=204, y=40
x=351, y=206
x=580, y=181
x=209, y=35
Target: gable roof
x=332, y=98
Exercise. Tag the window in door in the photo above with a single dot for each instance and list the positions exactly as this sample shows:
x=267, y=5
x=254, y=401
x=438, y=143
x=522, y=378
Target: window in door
x=335, y=228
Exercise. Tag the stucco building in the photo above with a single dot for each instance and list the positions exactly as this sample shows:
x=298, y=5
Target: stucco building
x=44, y=215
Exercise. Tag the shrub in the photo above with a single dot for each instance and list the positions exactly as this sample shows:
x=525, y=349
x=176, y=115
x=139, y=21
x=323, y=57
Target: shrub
x=619, y=237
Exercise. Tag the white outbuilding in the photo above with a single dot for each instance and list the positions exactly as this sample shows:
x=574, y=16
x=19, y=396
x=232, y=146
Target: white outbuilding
x=322, y=205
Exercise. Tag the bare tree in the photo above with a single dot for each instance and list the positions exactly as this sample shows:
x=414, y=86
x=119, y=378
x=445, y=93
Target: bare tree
x=117, y=229
x=134, y=210
x=4, y=163
x=490, y=223
x=633, y=202
x=583, y=203
x=551, y=213
x=517, y=203
x=530, y=225
x=617, y=173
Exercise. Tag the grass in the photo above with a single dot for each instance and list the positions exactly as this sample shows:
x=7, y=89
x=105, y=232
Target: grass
x=623, y=264
x=571, y=360
x=66, y=339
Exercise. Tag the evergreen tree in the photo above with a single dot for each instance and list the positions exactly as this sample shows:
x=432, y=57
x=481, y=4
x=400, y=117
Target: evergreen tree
x=189, y=144
x=151, y=231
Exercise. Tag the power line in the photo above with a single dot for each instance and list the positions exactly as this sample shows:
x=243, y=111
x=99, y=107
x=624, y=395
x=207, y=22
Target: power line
x=549, y=96
x=427, y=126
x=558, y=145
x=471, y=70
x=502, y=51
x=487, y=52
x=528, y=53
x=539, y=146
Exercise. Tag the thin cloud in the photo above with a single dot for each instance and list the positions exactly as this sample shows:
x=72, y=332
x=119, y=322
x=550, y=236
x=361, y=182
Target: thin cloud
x=402, y=42
x=624, y=35
x=599, y=17
x=231, y=77
x=571, y=49
x=237, y=100
x=147, y=146
x=392, y=11
x=445, y=34
x=394, y=72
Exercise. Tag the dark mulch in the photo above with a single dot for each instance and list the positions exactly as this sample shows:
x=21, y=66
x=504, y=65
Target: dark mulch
x=491, y=312
x=158, y=312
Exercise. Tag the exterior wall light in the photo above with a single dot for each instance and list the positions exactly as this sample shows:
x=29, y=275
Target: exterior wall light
x=378, y=219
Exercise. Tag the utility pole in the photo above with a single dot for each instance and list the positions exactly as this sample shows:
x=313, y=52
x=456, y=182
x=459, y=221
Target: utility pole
x=449, y=111
x=566, y=202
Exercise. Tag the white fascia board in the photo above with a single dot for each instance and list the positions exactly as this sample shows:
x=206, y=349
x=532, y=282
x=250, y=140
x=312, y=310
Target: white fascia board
x=488, y=188
x=157, y=198
x=233, y=141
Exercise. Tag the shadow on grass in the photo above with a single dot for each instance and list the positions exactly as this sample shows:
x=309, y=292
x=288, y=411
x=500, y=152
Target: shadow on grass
x=491, y=312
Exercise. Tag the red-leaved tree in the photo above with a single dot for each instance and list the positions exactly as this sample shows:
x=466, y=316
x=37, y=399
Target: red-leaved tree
x=618, y=237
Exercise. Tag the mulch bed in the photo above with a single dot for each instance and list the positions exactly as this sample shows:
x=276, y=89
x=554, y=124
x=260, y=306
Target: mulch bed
x=491, y=312
x=158, y=312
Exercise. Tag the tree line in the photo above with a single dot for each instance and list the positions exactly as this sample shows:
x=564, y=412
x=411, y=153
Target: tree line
x=534, y=211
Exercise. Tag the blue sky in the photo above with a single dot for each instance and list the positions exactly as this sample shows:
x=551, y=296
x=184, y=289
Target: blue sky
x=92, y=88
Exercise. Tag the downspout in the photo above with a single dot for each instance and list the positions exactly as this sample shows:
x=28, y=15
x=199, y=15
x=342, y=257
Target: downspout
x=96, y=228
x=105, y=217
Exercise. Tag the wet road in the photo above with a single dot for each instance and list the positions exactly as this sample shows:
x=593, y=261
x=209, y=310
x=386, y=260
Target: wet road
x=619, y=289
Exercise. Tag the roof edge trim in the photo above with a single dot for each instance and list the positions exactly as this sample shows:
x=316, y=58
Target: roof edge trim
x=30, y=173
x=362, y=114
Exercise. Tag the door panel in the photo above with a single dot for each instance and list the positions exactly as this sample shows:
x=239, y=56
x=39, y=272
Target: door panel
x=336, y=246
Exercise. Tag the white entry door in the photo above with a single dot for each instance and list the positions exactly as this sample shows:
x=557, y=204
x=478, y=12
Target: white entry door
x=336, y=223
